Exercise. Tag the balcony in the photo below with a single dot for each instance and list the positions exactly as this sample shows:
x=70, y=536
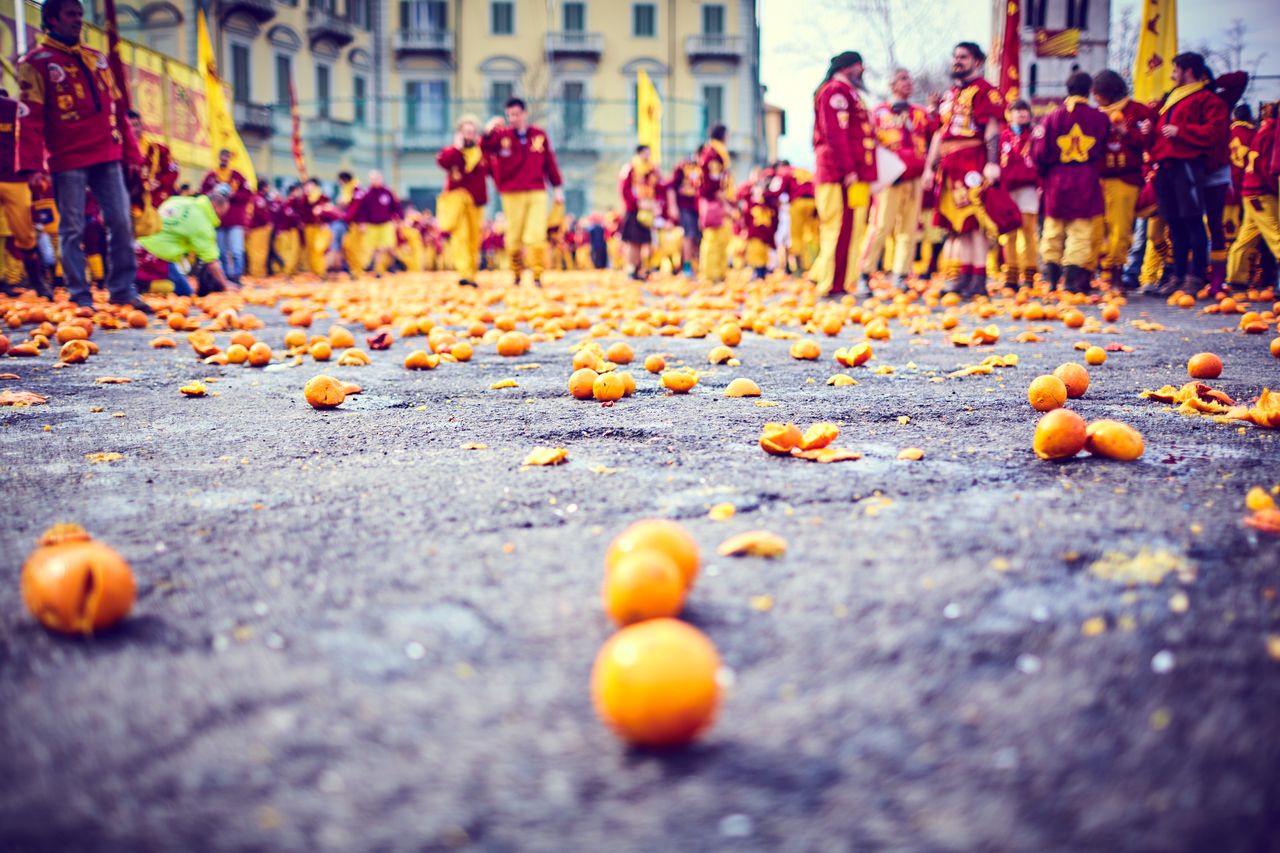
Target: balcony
x=330, y=131
x=715, y=48
x=423, y=43
x=325, y=25
x=254, y=118
x=260, y=11
x=571, y=44
x=576, y=140
x=420, y=140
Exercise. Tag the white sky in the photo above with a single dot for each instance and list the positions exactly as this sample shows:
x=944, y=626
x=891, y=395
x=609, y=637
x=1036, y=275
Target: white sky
x=796, y=44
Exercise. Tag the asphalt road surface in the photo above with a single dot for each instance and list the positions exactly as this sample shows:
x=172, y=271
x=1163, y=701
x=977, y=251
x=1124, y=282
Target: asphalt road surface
x=353, y=634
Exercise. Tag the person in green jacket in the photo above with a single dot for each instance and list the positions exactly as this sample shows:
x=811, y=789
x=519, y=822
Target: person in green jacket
x=189, y=226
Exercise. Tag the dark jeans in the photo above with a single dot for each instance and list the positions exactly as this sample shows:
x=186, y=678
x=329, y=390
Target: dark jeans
x=1180, y=197
x=106, y=181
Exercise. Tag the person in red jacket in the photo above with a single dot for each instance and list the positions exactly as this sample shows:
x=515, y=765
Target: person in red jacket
x=638, y=186
x=1020, y=177
x=15, y=199
x=1258, y=202
x=1068, y=147
x=715, y=200
x=75, y=114
x=964, y=154
x=522, y=164
x=761, y=226
x=844, y=149
x=1122, y=172
x=378, y=211
x=683, y=190
x=231, y=231
x=1186, y=132
x=460, y=207
x=905, y=129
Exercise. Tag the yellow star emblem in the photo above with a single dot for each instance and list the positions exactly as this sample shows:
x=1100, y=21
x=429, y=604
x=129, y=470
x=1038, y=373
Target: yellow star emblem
x=1075, y=146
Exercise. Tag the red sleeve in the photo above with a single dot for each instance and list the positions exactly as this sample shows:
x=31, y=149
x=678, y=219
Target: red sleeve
x=1267, y=162
x=838, y=139
x=625, y=189
x=1274, y=168
x=449, y=158
x=1205, y=129
x=397, y=211
x=987, y=106
x=168, y=169
x=550, y=167
x=1133, y=136
x=210, y=181
x=31, y=127
x=492, y=141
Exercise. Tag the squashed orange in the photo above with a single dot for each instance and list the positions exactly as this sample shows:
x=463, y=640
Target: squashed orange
x=74, y=584
x=780, y=439
x=1075, y=377
x=324, y=392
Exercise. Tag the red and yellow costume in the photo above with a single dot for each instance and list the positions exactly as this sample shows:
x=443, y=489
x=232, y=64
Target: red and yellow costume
x=460, y=207
x=905, y=129
x=1261, y=219
x=1068, y=146
x=1019, y=176
x=964, y=114
x=522, y=164
x=715, y=190
x=1122, y=180
x=844, y=147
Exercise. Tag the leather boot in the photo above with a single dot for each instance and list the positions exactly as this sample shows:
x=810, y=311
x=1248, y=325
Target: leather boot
x=1052, y=275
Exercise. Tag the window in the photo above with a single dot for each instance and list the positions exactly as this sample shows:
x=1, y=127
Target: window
x=1033, y=75
x=500, y=91
x=284, y=76
x=712, y=107
x=424, y=198
x=644, y=20
x=574, y=108
x=360, y=99
x=240, y=73
x=1035, y=13
x=712, y=19
x=361, y=13
x=430, y=16
x=502, y=18
x=322, y=91
x=1078, y=14
x=426, y=105
x=575, y=17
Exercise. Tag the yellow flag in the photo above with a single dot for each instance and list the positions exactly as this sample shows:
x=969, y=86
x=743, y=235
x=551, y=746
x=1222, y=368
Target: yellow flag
x=222, y=127
x=648, y=115
x=1157, y=46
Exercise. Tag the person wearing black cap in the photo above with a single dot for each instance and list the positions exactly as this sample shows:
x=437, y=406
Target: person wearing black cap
x=964, y=155
x=844, y=148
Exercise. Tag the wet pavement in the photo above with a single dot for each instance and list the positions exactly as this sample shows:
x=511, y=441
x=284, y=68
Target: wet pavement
x=353, y=634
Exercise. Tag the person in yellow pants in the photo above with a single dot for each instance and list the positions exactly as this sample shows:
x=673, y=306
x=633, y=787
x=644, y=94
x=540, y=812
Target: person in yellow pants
x=460, y=208
x=1259, y=206
x=1157, y=254
x=714, y=206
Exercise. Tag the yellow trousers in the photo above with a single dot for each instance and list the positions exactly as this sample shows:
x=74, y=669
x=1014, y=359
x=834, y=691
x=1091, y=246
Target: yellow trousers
x=1068, y=242
x=355, y=250
x=412, y=252
x=289, y=248
x=804, y=231
x=895, y=214
x=1020, y=249
x=1260, y=223
x=1158, y=251
x=257, y=246
x=839, y=235
x=1232, y=219
x=15, y=207
x=526, y=238
x=1121, y=200
x=317, y=239
x=757, y=253
x=713, y=254
x=464, y=239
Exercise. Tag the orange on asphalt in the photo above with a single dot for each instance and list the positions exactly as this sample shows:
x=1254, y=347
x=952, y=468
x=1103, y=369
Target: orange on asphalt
x=679, y=381
x=513, y=344
x=582, y=382
x=259, y=355
x=1275, y=347
x=730, y=334
x=324, y=392
x=658, y=534
x=1060, y=434
x=780, y=439
x=655, y=364
x=1114, y=440
x=74, y=584
x=1095, y=356
x=655, y=683
x=620, y=353
x=1047, y=393
x=1075, y=377
x=1111, y=313
x=608, y=387
x=1204, y=365
x=644, y=584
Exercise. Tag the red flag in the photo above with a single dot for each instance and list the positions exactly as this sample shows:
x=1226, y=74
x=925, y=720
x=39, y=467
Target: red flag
x=1011, y=53
x=113, y=52
x=299, y=159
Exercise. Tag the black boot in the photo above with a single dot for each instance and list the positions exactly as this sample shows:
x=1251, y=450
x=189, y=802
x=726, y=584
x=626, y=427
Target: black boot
x=1076, y=279
x=35, y=275
x=1052, y=275
x=977, y=285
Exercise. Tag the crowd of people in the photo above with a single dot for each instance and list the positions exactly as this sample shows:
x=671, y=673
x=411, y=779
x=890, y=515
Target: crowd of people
x=1100, y=192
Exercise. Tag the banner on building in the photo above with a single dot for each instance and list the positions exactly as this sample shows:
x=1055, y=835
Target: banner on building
x=1062, y=44
x=1010, y=53
x=1157, y=46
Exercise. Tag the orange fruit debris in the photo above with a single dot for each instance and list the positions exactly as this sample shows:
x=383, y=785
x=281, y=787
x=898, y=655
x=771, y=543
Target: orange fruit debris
x=237, y=354
x=417, y=360
x=1074, y=377
x=1047, y=393
x=1095, y=356
x=1073, y=319
x=1204, y=365
x=324, y=392
x=819, y=435
x=780, y=439
x=74, y=584
x=321, y=351
x=177, y=322
x=730, y=334
x=679, y=381
x=1111, y=313
x=513, y=344
x=655, y=683
x=658, y=534
x=655, y=364
x=259, y=355
x=1275, y=347
x=75, y=351
x=742, y=387
x=644, y=584
x=806, y=350
x=163, y=343
x=341, y=338
x=1114, y=440
x=582, y=382
x=608, y=387
x=462, y=351
x=620, y=353
x=719, y=355
x=1060, y=434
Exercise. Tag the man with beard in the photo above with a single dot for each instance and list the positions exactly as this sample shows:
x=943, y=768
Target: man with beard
x=964, y=153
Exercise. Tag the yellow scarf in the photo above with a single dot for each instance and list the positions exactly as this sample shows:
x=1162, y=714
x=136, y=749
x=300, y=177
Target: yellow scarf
x=1117, y=107
x=1074, y=101
x=640, y=168
x=1182, y=92
x=719, y=147
x=471, y=157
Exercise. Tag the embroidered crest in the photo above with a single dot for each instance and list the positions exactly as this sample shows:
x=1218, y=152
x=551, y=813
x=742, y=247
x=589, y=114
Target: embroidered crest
x=57, y=73
x=538, y=144
x=839, y=102
x=23, y=110
x=102, y=62
x=1038, y=133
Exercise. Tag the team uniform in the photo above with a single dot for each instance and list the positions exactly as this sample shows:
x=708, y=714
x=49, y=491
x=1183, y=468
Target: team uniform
x=1122, y=180
x=803, y=212
x=257, y=237
x=15, y=195
x=1021, y=179
x=843, y=145
x=761, y=220
x=713, y=213
x=685, y=183
x=156, y=182
x=522, y=164
x=376, y=211
x=460, y=207
x=1238, y=145
x=904, y=129
x=638, y=187
x=964, y=113
x=1258, y=204
x=231, y=232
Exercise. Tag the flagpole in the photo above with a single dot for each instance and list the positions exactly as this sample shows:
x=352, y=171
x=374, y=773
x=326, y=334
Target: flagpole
x=20, y=26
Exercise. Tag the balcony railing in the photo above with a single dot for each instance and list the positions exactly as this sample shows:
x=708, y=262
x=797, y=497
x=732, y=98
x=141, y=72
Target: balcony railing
x=260, y=10
x=571, y=43
x=330, y=131
x=423, y=42
x=418, y=140
x=715, y=47
x=324, y=25
x=254, y=118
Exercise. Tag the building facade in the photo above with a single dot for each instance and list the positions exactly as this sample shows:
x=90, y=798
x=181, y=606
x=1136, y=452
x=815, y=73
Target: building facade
x=1044, y=77
x=380, y=83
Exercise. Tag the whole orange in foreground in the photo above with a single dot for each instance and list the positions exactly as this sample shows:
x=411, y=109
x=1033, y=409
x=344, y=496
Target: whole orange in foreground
x=1060, y=434
x=655, y=684
x=1075, y=377
x=1204, y=365
x=658, y=534
x=1275, y=347
x=608, y=387
x=1114, y=440
x=644, y=584
x=74, y=584
x=582, y=382
x=1047, y=393
x=1095, y=356
x=324, y=392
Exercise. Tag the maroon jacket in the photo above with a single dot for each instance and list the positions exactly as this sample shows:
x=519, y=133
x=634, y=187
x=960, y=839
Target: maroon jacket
x=1201, y=119
x=241, y=195
x=1017, y=169
x=1068, y=147
x=521, y=165
x=1259, y=175
x=12, y=119
x=374, y=206
x=843, y=141
x=454, y=162
x=1126, y=142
